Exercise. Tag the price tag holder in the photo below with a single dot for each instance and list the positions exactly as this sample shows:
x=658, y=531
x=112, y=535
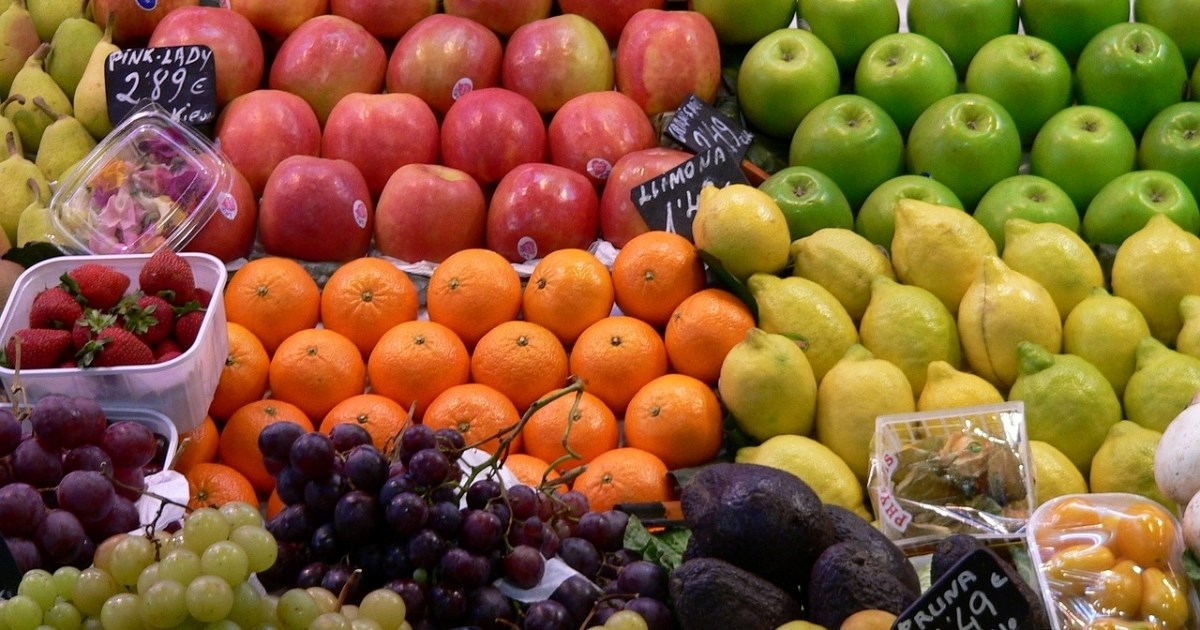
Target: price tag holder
x=700, y=127
x=975, y=594
x=668, y=202
x=10, y=574
x=180, y=79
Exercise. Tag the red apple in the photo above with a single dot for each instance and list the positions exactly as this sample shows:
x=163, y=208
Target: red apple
x=620, y=220
x=551, y=61
x=444, y=57
x=316, y=209
x=279, y=19
x=594, y=130
x=385, y=19
x=132, y=25
x=230, y=233
x=664, y=55
x=502, y=16
x=539, y=208
x=327, y=58
x=236, y=45
x=488, y=132
x=379, y=133
x=429, y=211
x=609, y=16
x=257, y=130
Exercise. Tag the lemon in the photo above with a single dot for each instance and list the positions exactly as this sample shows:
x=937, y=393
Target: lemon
x=938, y=248
x=1055, y=257
x=1161, y=386
x=768, y=386
x=1053, y=473
x=856, y=390
x=1188, y=339
x=742, y=227
x=1154, y=269
x=1001, y=309
x=1104, y=330
x=910, y=327
x=1068, y=402
x=844, y=263
x=949, y=388
x=813, y=462
x=1125, y=463
x=802, y=309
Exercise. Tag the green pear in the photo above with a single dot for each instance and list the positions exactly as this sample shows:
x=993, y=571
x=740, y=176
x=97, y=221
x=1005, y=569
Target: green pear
x=15, y=193
x=91, y=101
x=18, y=40
x=35, y=224
x=48, y=14
x=70, y=49
x=7, y=126
x=65, y=142
x=32, y=81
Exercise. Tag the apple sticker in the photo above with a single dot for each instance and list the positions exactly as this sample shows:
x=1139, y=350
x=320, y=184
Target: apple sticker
x=599, y=168
x=148, y=5
x=461, y=88
x=527, y=248
x=360, y=213
x=227, y=206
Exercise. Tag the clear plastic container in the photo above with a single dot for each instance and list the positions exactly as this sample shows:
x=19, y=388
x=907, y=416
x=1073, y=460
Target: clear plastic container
x=152, y=183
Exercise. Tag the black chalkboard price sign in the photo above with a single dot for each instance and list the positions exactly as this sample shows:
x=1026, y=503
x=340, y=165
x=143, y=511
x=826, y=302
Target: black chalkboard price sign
x=975, y=594
x=700, y=127
x=180, y=79
x=668, y=202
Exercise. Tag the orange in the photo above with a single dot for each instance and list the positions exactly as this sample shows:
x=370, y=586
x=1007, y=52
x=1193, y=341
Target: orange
x=214, y=485
x=569, y=290
x=415, y=361
x=275, y=505
x=239, y=437
x=197, y=446
x=473, y=291
x=615, y=357
x=623, y=475
x=677, y=418
x=273, y=297
x=381, y=416
x=528, y=469
x=364, y=298
x=589, y=430
x=654, y=273
x=244, y=375
x=521, y=360
x=702, y=330
x=478, y=412
x=315, y=369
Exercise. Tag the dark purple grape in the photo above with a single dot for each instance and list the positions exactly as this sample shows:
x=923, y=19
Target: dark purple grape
x=275, y=440
x=123, y=517
x=294, y=523
x=500, y=510
x=615, y=539
x=10, y=432
x=336, y=579
x=592, y=527
x=428, y=468
x=369, y=558
x=415, y=439
x=550, y=541
x=548, y=615
x=173, y=526
x=444, y=494
x=524, y=566
x=482, y=492
x=53, y=419
x=394, y=486
x=312, y=574
x=576, y=504
x=130, y=444
x=312, y=454
x=60, y=537
x=292, y=557
x=644, y=578
x=396, y=468
x=290, y=483
x=274, y=466
x=357, y=516
x=345, y=436
x=25, y=553
x=655, y=613
x=87, y=494
x=425, y=549
x=395, y=561
x=160, y=456
x=87, y=457
x=37, y=464
x=84, y=559
x=447, y=604
x=406, y=513
x=523, y=501
x=445, y=518
x=323, y=495
x=90, y=420
x=459, y=567
x=578, y=594
x=530, y=531
x=21, y=510
x=325, y=544
x=488, y=607
x=580, y=555
x=413, y=594
x=481, y=531
x=7, y=475
x=607, y=609
x=129, y=482
x=366, y=467
x=450, y=441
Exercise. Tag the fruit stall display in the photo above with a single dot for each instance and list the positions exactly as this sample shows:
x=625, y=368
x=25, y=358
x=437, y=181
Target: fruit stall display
x=428, y=320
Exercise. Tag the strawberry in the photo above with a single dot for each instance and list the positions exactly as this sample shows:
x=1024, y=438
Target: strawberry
x=40, y=348
x=114, y=346
x=166, y=350
x=202, y=296
x=95, y=285
x=54, y=308
x=86, y=327
x=167, y=275
x=187, y=328
x=149, y=317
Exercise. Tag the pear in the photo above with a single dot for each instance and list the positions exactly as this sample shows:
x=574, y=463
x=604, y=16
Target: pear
x=7, y=126
x=32, y=81
x=47, y=15
x=15, y=194
x=18, y=40
x=64, y=143
x=35, y=218
x=70, y=49
x=91, y=102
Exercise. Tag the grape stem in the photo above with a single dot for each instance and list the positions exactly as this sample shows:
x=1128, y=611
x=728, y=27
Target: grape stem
x=604, y=598
x=351, y=583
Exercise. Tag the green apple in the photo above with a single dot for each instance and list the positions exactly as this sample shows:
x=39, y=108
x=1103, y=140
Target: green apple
x=1126, y=203
x=1178, y=19
x=1028, y=197
x=1025, y=74
x=1069, y=24
x=1172, y=143
x=966, y=141
x=904, y=73
x=784, y=76
x=738, y=22
x=849, y=26
x=876, y=220
x=1081, y=149
x=809, y=199
x=853, y=141
x=1133, y=69
x=962, y=27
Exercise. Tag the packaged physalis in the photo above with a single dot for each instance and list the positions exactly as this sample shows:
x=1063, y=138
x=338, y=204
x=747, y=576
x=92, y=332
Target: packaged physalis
x=1111, y=560
x=957, y=471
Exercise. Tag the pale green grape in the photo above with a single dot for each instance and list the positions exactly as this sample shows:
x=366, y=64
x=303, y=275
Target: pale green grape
x=268, y=611
x=325, y=598
x=350, y=611
x=181, y=565
x=226, y=560
x=297, y=609
x=385, y=607
x=626, y=620
x=3, y=623
x=129, y=558
x=122, y=611
x=149, y=577
x=239, y=513
x=259, y=545
x=92, y=589
x=104, y=551
x=209, y=598
x=175, y=541
x=223, y=624
x=39, y=585
x=92, y=623
x=247, y=606
x=164, y=605
x=364, y=624
x=405, y=626
x=204, y=527
x=64, y=580
x=330, y=621
x=22, y=612
x=63, y=615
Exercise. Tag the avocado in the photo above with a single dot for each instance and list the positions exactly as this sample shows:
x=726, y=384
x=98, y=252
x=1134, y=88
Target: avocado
x=951, y=549
x=850, y=527
x=711, y=594
x=762, y=519
x=948, y=551
x=849, y=577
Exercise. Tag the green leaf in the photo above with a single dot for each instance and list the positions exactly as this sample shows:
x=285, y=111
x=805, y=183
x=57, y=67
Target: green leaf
x=1192, y=566
x=664, y=549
